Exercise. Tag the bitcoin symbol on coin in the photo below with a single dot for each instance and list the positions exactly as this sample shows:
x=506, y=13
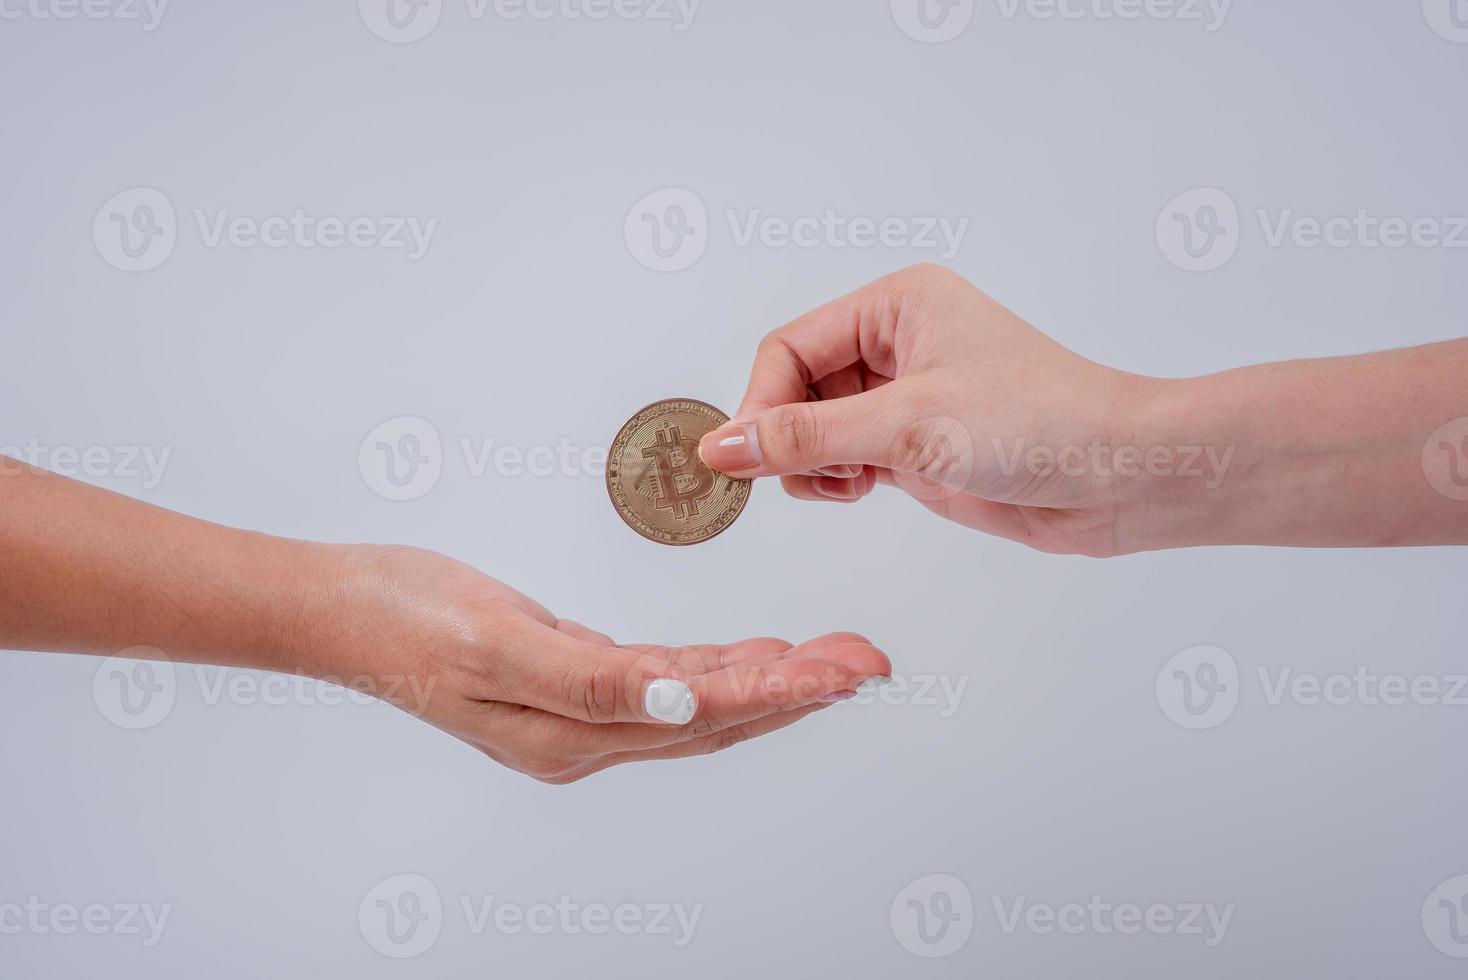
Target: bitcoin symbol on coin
x=681, y=483
x=657, y=481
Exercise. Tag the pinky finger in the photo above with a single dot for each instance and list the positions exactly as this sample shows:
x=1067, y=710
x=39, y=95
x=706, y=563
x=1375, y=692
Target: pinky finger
x=828, y=489
x=801, y=487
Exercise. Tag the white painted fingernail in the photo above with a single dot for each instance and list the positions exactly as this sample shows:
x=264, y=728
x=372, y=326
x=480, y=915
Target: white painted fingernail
x=668, y=700
x=872, y=685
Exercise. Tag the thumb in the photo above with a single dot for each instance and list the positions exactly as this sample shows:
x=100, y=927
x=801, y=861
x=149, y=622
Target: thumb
x=862, y=429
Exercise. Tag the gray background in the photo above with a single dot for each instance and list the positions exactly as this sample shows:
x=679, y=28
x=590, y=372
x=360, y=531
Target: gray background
x=529, y=321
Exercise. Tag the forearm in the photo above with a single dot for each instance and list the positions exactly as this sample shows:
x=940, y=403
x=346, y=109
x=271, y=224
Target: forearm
x=84, y=570
x=1323, y=453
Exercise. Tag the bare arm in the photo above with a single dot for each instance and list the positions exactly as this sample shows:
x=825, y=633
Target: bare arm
x=923, y=382
x=85, y=570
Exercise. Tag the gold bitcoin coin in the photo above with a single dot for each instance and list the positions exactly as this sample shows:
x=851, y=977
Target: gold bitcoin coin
x=659, y=484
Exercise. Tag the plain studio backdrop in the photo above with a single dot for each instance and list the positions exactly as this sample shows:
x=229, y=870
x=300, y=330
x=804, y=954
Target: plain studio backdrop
x=182, y=277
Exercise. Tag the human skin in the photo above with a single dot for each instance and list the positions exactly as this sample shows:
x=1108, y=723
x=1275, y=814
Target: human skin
x=83, y=570
x=921, y=381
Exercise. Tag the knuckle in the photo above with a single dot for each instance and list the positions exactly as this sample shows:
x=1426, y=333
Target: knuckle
x=542, y=765
x=929, y=272
x=727, y=739
x=591, y=692
x=922, y=277
x=911, y=451
x=702, y=727
x=906, y=292
x=680, y=657
x=928, y=451
x=797, y=435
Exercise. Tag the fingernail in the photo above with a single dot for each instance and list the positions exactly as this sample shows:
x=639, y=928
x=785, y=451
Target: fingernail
x=732, y=446
x=872, y=685
x=668, y=700
x=835, y=489
x=838, y=697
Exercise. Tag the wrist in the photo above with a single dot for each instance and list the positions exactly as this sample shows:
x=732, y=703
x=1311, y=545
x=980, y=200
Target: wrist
x=312, y=585
x=384, y=619
x=1192, y=476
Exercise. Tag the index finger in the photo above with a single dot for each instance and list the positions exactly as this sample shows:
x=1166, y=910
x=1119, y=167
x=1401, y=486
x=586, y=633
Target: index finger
x=858, y=327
